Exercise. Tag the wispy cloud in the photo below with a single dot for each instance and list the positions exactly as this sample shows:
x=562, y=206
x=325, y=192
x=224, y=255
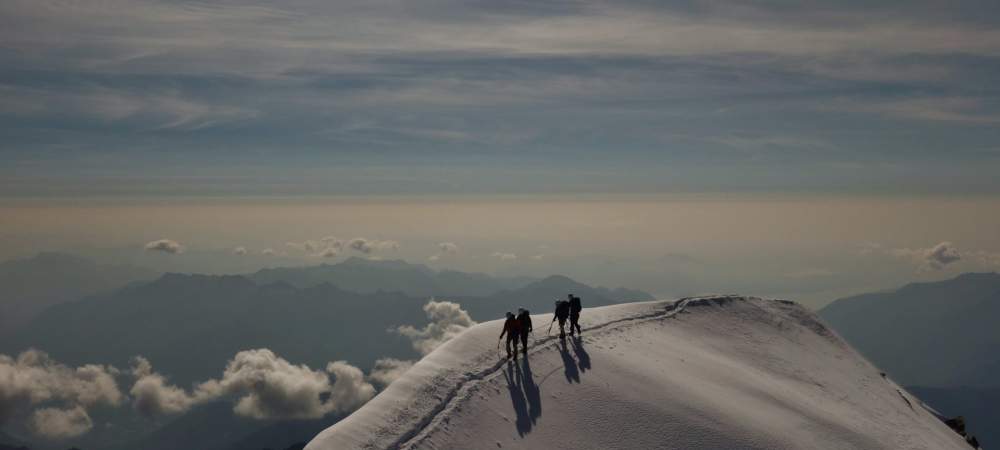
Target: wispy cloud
x=164, y=245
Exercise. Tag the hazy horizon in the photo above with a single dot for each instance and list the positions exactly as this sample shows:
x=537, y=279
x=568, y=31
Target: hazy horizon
x=812, y=249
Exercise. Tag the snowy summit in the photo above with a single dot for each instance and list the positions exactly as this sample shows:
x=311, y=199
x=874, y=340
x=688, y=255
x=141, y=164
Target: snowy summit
x=720, y=372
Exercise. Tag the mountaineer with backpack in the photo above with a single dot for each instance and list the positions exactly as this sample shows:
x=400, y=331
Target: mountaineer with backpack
x=562, y=312
x=574, y=314
x=512, y=328
x=524, y=320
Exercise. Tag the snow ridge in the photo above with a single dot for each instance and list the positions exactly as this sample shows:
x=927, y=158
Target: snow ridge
x=719, y=372
x=412, y=438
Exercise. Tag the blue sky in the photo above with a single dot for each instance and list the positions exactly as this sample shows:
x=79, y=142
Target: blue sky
x=308, y=97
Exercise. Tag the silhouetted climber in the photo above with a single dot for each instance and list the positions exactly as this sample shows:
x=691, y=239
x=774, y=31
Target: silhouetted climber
x=562, y=312
x=512, y=328
x=574, y=314
x=524, y=320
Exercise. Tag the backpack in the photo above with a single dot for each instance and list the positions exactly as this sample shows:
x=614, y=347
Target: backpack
x=513, y=327
x=562, y=308
x=574, y=305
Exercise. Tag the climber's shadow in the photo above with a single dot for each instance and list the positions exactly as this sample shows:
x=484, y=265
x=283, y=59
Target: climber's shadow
x=569, y=364
x=515, y=387
x=581, y=354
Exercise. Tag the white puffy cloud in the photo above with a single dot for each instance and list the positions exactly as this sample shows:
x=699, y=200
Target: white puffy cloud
x=333, y=242
x=387, y=370
x=941, y=255
x=448, y=319
x=33, y=379
x=56, y=423
x=503, y=256
x=933, y=258
x=152, y=396
x=308, y=246
x=240, y=251
x=265, y=386
x=367, y=246
x=164, y=245
x=331, y=246
x=268, y=252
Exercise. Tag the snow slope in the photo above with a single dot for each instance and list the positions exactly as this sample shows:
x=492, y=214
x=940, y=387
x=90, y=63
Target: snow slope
x=720, y=372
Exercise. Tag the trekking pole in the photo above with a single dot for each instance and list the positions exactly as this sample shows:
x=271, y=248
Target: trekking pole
x=549, y=331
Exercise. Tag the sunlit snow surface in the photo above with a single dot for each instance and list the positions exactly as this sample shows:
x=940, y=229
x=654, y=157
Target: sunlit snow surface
x=719, y=372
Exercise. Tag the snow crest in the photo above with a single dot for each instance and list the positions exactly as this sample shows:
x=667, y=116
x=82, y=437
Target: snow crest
x=701, y=372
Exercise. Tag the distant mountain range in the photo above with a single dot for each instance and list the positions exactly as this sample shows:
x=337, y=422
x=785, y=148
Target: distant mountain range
x=369, y=276
x=189, y=326
x=937, y=334
x=940, y=339
x=213, y=317
x=29, y=286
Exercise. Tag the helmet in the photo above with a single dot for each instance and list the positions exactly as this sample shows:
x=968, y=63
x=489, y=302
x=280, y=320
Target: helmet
x=521, y=310
x=510, y=315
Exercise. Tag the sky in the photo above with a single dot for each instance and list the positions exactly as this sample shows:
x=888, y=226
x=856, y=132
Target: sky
x=655, y=135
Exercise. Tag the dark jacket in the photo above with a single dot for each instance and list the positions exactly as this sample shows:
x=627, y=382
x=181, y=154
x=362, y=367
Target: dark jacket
x=574, y=305
x=525, y=321
x=511, y=328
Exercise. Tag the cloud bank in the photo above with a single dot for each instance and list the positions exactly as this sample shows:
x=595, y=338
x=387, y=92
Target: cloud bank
x=33, y=379
x=264, y=385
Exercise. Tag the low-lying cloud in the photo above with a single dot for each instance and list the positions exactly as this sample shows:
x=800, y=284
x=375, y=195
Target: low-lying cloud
x=34, y=379
x=448, y=319
x=504, y=256
x=56, y=423
x=264, y=385
x=368, y=246
x=164, y=245
x=332, y=246
x=152, y=396
x=240, y=251
x=387, y=370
